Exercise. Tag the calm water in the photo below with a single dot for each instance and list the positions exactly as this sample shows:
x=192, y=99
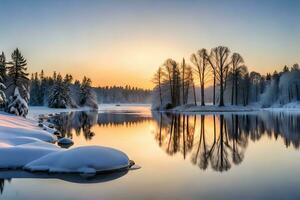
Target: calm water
x=229, y=156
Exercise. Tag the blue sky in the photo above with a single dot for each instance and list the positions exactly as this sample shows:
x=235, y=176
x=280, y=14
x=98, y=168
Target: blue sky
x=113, y=41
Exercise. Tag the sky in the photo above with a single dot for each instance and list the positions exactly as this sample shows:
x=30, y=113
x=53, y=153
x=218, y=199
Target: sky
x=123, y=42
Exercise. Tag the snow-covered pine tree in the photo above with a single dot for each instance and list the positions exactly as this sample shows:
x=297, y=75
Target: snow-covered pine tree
x=87, y=95
x=18, y=84
x=2, y=79
x=59, y=96
x=3, y=67
x=2, y=93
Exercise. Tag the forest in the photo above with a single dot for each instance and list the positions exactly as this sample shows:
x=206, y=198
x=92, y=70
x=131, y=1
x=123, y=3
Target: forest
x=120, y=94
x=73, y=91
x=17, y=91
x=226, y=73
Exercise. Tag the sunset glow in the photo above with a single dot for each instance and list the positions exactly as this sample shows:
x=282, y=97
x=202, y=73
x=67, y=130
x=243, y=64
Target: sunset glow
x=119, y=43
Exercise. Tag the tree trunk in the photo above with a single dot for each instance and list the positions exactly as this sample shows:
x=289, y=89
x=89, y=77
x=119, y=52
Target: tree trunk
x=171, y=88
x=202, y=95
x=214, y=92
x=186, y=92
x=232, y=90
x=160, y=94
x=221, y=103
x=183, y=68
x=194, y=92
x=236, y=91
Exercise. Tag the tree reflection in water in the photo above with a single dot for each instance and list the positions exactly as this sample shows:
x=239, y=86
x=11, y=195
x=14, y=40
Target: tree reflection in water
x=78, y=121
x=83, y=121
x=220, y=141
x=1, y=185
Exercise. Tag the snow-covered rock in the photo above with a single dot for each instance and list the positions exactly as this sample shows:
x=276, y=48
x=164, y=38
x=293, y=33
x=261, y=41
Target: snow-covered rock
x=86, y=160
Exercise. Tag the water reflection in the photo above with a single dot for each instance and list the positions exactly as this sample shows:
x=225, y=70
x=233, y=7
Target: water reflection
x=82, y=122
x=220, y=141
x=2, y=182
x=7, y=176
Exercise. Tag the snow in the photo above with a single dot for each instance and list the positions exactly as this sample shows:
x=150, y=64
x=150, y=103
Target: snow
x=36, y=111
x=24, y=145
x=13, y=127
x=92, y=159
x=289, y=107
x=17, y=104
x=13, y=157
x=212, y=108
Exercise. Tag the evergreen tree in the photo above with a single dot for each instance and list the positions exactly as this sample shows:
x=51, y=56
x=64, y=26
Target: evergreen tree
x=3, y=67
x=2, y=79
x=59, y=96
x=35, y=90
x=2, y=93
x=43, y=88
x=17, y=70
x=87, y=95
x=18, y=85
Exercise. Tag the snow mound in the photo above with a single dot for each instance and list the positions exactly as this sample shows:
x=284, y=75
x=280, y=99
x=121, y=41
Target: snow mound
x=12, y=127
x=23, y=145
x=13, y=157
x=85, y=160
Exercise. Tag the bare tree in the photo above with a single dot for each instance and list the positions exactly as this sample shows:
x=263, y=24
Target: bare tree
x=189, y=82
x=193, y=85
x=173, y=74
x=200, y=60
x=183, y=79
x=158, y=79
x=219, y=61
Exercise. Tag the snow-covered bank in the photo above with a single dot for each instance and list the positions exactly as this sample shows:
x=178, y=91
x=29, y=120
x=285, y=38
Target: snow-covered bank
x=290, y=107
x=35, y=111
x=212, y=108
x=25, y=145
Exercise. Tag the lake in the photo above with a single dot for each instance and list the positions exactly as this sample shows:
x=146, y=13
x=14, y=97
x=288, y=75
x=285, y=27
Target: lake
x=222, y=156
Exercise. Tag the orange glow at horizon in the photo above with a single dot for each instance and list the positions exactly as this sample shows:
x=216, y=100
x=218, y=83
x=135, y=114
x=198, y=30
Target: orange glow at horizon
x=132, y=62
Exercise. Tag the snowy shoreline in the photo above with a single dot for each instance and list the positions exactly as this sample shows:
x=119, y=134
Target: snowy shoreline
x=28, y=145
x=208, y=109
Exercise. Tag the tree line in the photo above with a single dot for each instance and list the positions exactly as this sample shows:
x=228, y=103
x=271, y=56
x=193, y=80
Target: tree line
x=17, y=90
x=57, y=91
x=231, y=82
x=120, y=94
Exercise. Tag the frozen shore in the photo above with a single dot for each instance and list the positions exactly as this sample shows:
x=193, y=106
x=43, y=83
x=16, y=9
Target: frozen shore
x=27, y=145
x=291, y=107
x=212, y=108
